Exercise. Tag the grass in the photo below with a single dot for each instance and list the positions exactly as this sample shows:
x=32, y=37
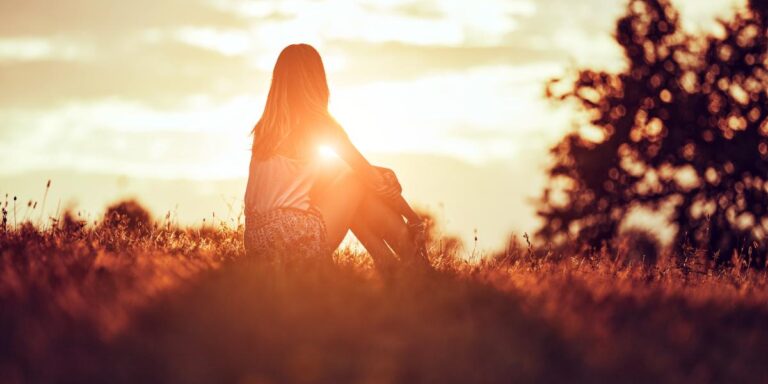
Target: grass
x=128, y=300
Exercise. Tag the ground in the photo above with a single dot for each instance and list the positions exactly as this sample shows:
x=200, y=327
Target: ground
x=114, y=303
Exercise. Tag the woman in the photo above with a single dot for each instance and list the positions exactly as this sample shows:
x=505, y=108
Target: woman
x=298, y=206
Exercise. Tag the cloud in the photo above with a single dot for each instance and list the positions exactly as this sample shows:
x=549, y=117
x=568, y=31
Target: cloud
x=481, y=114
x=162, y=53
x=158, y=73
x=202, y=140
x=160, y=154
x=158, y=52
x=165, y=51
x=365, y=62
x=445, y=22
x=168, y=68
x=37, y=48
x=98, y=17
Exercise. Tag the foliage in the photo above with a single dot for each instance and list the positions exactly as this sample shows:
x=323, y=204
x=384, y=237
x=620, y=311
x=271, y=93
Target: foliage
x=681, y=132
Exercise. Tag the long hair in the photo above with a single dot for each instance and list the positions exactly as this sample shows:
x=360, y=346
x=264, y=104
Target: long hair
x=297, y=104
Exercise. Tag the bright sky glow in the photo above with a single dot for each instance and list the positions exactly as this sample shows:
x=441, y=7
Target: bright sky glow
x=447, y=92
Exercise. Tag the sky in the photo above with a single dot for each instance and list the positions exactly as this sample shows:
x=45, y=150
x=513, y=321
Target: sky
x=155, y=99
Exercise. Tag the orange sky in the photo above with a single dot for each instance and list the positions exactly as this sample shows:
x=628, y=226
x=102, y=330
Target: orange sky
x=155, y=99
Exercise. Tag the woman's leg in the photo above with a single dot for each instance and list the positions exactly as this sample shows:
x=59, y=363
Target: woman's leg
x=378, y=217
x=383, y=257
x=346, y=204
x=337, y=197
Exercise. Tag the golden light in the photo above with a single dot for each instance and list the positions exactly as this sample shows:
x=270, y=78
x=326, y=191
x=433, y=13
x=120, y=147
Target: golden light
x=326, y=152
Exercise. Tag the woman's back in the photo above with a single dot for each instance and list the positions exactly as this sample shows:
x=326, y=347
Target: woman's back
x=279, y=182
x=279, y=217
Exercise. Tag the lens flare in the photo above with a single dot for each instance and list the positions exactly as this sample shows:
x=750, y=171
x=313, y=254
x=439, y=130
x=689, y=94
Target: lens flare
x=327, y=152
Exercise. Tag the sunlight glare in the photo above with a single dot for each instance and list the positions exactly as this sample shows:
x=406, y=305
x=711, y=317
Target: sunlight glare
x=326, y=152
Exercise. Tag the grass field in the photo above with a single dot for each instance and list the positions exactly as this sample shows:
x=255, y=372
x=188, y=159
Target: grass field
x=117, y=301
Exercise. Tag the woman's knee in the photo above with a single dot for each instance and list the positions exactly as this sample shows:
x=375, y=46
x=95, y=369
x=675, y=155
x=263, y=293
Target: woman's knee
x=347, y=183
x=330, y=182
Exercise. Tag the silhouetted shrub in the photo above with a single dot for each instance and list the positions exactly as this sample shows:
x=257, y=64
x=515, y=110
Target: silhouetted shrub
x=129, y=215
x=639, y=246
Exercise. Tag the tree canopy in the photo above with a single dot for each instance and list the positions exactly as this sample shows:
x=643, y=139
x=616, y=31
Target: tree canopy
x=681, y=132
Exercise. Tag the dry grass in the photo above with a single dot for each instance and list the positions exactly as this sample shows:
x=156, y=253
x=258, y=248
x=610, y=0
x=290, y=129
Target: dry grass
x=113, y=302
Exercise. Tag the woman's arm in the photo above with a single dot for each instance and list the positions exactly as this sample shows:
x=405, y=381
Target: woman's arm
x=382, y=180
x=370, y=175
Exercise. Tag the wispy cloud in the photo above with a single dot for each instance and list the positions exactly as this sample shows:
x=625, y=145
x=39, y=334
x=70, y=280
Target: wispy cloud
x=110, y=18
x=152, y=72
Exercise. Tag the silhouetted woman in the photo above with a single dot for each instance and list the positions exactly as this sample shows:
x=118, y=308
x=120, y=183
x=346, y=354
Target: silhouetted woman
x=299, y=205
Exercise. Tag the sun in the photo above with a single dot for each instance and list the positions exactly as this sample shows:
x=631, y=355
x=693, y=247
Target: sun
x=326, y=152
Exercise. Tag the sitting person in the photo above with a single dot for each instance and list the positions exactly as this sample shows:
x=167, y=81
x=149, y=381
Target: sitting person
x=298, y=206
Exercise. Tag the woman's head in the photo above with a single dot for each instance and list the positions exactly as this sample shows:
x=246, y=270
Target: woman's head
x=297, y=104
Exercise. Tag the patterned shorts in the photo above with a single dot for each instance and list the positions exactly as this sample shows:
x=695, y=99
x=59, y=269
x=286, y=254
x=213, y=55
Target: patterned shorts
x=286, y=234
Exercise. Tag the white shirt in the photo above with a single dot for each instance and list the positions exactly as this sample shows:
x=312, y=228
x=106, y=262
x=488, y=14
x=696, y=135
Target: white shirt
x=279, y=182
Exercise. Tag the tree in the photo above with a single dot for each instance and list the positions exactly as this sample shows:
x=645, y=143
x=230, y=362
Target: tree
x=682, y=131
